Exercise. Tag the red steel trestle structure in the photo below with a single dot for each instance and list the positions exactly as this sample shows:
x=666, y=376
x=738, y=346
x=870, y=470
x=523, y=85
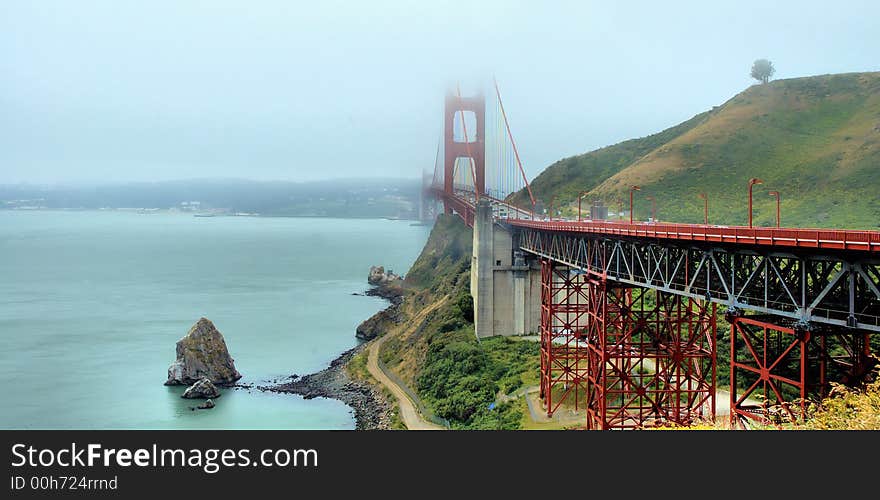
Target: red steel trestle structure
x=564, y=319
x=781, y=366
x=630, y=356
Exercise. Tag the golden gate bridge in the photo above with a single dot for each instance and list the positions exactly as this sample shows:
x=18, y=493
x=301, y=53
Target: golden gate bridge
x=628, y=310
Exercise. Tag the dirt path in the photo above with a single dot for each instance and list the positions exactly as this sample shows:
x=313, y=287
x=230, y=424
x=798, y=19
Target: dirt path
x=408, y=412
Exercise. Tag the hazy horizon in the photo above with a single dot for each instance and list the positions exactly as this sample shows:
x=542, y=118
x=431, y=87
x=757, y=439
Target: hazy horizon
x=110, y=92
x=123, y=183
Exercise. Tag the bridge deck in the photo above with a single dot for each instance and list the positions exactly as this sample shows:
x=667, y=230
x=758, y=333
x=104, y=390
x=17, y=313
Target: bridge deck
x=861, y=241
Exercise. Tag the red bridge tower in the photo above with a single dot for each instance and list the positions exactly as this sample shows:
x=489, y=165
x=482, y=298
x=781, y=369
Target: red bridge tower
x=471, y=147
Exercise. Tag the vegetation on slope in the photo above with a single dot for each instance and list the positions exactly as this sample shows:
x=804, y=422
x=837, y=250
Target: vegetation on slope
x=569, y=177
x=456, y=376
x=849, y=409
x=815, y=139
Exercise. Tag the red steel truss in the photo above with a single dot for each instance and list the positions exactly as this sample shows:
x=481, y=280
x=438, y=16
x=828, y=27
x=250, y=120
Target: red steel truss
x=773, y=370
x=650, y=364
x=633, y=357
x=844, y=357
x=563, y=321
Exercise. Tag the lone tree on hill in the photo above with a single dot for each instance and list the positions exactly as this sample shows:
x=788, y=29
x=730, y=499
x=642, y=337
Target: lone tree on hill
x=763, y=70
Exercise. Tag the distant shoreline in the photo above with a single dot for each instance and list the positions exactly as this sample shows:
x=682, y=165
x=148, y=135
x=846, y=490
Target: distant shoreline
x=151, y=211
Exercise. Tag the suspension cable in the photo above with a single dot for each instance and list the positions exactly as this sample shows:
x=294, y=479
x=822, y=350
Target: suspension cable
x=512, y=142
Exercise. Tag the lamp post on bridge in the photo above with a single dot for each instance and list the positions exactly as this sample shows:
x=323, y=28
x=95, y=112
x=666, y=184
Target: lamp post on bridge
x=776, y=195
x=631, y=191
x=705, y=199
x=653, y=208
x=550, y=209
x=580, y=197
x=752, y=182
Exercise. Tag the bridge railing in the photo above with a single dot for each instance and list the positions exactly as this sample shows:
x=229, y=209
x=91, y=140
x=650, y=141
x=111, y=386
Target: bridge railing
x=853, y=240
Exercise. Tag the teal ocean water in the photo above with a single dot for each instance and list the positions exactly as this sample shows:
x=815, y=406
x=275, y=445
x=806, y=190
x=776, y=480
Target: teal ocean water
x=92, y=303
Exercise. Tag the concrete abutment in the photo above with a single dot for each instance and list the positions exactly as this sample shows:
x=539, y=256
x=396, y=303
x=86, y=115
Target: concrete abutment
x=505, y=282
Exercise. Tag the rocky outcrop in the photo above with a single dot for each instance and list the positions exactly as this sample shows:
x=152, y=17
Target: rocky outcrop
x=378, y=323
x=389, y=286
x=371, y=409
x=203, y=389
x=202, y=353
x=207, y=405
x=378, y=276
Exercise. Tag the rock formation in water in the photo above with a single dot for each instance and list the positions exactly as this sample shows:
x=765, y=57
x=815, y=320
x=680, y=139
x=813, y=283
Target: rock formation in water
x=203, y=389
x=202, y=353
x=378, y=276
x=389, y=286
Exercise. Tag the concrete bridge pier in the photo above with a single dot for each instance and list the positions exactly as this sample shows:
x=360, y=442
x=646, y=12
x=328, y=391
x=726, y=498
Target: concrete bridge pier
x=505, y=285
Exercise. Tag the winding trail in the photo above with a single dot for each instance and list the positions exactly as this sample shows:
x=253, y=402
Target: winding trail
x=408, y=412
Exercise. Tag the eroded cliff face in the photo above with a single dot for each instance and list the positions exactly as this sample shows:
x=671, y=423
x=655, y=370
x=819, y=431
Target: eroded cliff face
x=202, y=353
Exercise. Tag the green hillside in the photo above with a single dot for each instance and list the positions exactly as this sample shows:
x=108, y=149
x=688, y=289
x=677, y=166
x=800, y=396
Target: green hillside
x=814, y=139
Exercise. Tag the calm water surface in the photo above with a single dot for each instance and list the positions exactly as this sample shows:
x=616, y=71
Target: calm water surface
x=92, y=303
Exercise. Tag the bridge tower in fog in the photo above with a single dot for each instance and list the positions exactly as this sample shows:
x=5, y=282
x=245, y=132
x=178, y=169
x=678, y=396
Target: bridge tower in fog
x=464, y=153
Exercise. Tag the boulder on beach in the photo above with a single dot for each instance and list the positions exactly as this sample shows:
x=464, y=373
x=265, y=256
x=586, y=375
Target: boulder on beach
x=203, y=389
x=202, y=353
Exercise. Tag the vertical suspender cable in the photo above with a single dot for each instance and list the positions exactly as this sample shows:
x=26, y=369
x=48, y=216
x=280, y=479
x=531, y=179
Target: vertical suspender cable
x=513, y=143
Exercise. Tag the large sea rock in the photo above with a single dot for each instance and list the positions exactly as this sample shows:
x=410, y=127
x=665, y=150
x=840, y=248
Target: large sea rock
x=202, y=353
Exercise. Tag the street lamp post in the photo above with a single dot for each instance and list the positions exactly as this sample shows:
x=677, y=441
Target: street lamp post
x=550, y=210
x=631, y=191
x=776, y=195
x=653, y=208
x=752, y=182
x=705, y=199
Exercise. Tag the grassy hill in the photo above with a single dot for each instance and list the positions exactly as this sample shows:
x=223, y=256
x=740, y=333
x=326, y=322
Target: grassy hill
x=814, y=139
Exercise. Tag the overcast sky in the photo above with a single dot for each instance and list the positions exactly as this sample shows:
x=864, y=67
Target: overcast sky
x=119, y=90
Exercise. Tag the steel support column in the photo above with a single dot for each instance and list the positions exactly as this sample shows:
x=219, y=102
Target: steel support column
x=630, y=356
x=652, y=359
x=770, y=361
x=563, y=321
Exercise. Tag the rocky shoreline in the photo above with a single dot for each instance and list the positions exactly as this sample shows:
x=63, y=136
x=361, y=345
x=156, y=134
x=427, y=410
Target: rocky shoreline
x=371, y=409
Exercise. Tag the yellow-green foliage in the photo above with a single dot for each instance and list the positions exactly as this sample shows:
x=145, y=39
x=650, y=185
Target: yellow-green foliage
x=848, y=410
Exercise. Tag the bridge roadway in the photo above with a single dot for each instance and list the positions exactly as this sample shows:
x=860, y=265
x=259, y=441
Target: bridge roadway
x=812, y=277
